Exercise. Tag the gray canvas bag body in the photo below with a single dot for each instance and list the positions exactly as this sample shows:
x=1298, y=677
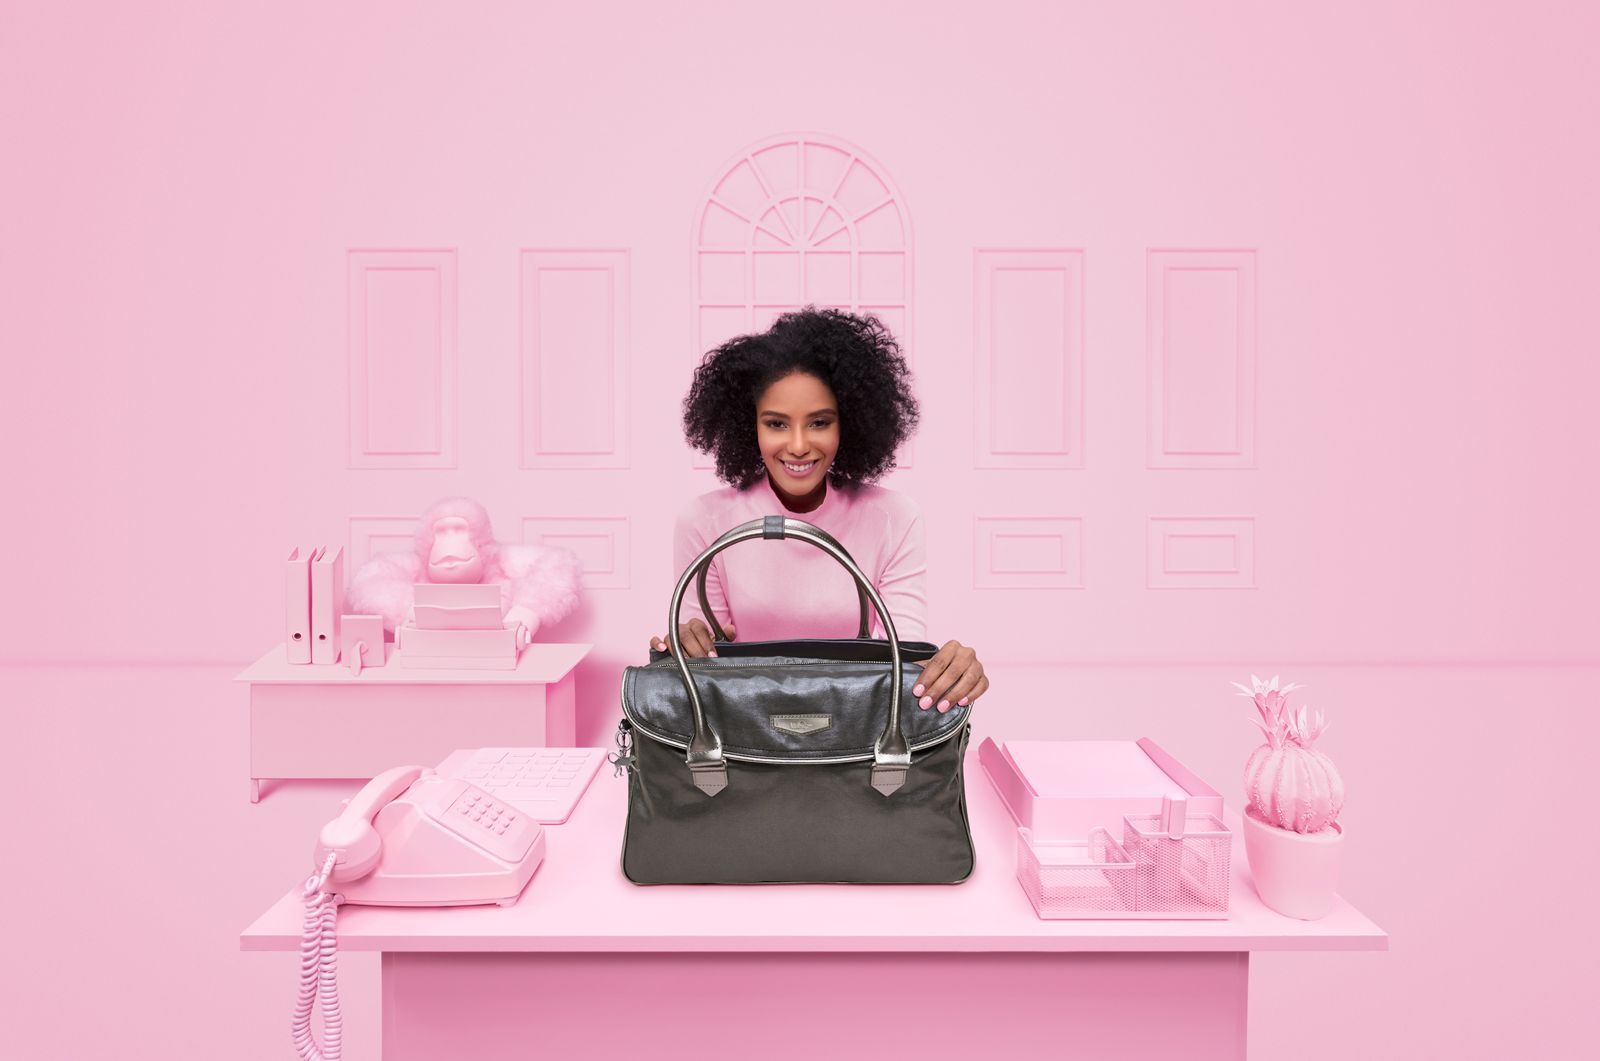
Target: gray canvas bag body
x=791, y=761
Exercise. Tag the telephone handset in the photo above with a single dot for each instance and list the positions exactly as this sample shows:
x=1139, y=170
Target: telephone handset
x=409, y=838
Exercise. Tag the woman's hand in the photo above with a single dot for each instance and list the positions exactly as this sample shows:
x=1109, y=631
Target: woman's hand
x=696, y=638
x=952, y=676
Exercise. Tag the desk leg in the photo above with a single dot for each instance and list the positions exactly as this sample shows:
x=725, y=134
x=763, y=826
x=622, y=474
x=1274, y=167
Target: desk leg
x=560, y=713
x=798, y=1007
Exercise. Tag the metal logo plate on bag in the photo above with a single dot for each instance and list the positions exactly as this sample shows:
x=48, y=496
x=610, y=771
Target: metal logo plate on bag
x=800, y=725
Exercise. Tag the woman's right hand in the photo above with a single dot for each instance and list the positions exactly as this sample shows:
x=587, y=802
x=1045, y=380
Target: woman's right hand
x=696, y=638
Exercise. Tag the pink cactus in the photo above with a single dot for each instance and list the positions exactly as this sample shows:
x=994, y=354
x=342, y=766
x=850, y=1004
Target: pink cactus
x=1288, y=782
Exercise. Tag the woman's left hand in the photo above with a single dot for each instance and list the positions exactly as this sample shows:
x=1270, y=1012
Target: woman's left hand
x=953, y=676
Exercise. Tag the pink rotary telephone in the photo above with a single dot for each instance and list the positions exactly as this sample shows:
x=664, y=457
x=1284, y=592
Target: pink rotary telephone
x=409, y=838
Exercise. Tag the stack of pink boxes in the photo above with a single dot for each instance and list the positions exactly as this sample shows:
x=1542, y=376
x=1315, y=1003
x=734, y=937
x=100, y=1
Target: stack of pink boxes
x=457, y=625
x=1070, y=799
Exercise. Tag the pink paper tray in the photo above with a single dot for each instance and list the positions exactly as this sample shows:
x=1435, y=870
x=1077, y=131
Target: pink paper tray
x=1062, y=790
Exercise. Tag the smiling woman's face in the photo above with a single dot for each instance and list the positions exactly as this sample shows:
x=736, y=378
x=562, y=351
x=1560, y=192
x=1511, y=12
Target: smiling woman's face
x=797, y=427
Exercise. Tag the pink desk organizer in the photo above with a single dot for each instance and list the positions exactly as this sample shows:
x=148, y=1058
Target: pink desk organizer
x=1063, y=789
x=1151, y=874
x=1174, y=856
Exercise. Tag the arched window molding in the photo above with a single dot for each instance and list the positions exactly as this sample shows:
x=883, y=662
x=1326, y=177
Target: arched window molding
x=797, y=219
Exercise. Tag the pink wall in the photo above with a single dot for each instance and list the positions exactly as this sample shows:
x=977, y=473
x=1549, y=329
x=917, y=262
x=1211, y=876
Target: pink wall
x=1244, y=333
x=1360, y=240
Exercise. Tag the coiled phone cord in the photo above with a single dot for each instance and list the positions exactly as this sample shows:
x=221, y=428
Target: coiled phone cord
x=319, y=972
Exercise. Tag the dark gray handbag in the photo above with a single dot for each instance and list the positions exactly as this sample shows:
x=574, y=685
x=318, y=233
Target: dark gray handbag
x=791, y=761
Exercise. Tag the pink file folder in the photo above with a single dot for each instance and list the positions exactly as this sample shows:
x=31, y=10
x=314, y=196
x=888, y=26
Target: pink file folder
x=297, y=605
x=327, y=604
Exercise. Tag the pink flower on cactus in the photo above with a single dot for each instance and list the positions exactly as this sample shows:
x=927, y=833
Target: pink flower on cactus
x=1270, y=701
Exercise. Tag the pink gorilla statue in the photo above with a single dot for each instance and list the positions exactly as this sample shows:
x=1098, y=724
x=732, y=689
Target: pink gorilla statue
x=454, y=543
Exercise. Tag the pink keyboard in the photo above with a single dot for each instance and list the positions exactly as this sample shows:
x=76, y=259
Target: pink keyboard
x=544, y=783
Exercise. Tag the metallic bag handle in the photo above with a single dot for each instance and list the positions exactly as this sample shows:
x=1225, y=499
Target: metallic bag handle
x=891, y=755
x=863, y=631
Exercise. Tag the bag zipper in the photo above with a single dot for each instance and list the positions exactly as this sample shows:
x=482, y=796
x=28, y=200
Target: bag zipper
x=741, y=757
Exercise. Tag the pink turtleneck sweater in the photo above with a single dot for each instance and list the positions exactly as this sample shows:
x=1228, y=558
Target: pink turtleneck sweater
x=772, y=590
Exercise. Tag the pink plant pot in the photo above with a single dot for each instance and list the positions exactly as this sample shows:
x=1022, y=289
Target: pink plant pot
x=1296, y=874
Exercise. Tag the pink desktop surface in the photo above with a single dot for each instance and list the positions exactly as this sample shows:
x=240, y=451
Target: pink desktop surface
x=579, y=900
x=1249, y=337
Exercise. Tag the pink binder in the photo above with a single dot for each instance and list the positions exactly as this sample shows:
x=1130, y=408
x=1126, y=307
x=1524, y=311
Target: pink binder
x=297, y=605
x=1063, y=789
x=327, y=604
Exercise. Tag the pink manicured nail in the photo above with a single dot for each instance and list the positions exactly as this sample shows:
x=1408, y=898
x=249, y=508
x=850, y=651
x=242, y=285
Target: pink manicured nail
x=962, y=701
x=944, y=705
x=926, y=701
x=713, y=655
x=918, y=692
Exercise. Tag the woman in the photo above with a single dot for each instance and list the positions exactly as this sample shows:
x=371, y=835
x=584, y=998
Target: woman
x=802, y=420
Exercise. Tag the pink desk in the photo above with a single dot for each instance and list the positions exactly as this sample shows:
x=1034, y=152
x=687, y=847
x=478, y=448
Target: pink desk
x=588, y=965
x=311, y=721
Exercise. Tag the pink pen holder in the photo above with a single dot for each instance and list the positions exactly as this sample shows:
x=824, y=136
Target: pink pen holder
x=362, y=637
x=1082, y=879
x=1187, y=874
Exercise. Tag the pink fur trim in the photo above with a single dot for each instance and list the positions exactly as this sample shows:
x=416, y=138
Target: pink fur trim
x=545, y=579
x=382, y=586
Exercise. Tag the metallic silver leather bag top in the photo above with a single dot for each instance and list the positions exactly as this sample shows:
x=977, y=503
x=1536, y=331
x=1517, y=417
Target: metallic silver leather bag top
x=791, y=761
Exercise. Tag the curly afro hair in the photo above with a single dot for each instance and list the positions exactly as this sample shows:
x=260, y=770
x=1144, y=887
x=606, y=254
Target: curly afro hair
x=855, y=355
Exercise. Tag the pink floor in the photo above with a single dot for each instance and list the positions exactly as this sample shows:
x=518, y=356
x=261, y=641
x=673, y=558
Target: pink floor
x=1471, y=794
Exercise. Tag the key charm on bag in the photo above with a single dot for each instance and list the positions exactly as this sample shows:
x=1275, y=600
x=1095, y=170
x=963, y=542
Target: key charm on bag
x=622, y=761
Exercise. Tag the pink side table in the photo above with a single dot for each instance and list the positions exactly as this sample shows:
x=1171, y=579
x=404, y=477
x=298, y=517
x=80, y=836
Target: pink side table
x=586, y=964
x=311, y=721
